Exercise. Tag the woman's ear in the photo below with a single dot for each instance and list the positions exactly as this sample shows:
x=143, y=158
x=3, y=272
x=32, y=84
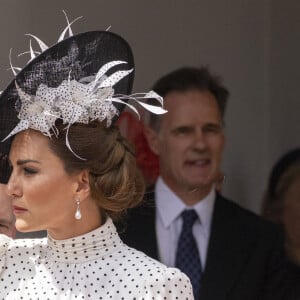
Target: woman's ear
x=152, y=139
x=83, y=185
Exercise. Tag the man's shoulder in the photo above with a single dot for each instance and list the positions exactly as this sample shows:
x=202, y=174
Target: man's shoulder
x=229, y=206
x=243, y=217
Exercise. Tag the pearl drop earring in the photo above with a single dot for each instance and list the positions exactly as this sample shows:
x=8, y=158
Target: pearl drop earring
x=78, y=212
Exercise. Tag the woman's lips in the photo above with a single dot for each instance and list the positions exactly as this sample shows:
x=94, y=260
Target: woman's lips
x=19, y=210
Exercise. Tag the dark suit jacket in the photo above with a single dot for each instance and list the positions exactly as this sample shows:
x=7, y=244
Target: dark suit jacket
x=245, y=259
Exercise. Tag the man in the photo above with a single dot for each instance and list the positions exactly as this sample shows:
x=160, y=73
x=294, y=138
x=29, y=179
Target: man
x=7, y=219
x=236, y=255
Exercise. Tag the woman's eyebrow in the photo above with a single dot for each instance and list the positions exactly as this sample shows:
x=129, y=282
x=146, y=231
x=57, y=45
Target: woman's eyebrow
x=25, y=161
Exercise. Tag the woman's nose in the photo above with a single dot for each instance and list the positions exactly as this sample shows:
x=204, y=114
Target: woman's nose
x=13, y=188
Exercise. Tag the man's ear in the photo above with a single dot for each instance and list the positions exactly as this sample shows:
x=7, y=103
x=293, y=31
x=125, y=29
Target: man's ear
x=83, y=185
x=152, y=139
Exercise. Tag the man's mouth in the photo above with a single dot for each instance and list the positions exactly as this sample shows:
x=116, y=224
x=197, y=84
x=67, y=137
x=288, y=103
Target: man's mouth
x=198, y=162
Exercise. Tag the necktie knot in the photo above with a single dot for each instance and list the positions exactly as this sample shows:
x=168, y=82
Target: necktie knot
x=189, y=217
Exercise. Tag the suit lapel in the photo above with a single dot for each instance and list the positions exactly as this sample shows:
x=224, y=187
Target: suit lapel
x=227, y=251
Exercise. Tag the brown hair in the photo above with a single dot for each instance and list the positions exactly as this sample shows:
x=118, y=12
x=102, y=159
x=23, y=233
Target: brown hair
x=115, y=181
x=186, y=79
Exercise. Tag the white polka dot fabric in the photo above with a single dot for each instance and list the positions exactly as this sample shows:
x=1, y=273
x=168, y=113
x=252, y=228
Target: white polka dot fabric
x=96, y=265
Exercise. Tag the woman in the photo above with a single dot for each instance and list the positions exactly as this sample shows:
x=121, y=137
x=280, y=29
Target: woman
x=72, y=174
x=282, y=201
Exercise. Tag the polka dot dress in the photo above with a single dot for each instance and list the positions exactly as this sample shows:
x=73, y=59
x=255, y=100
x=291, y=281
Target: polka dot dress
x=96, y=265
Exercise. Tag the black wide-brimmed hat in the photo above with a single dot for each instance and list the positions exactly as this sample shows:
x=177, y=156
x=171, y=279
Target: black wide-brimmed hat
x=79, y=57
x=85, y=77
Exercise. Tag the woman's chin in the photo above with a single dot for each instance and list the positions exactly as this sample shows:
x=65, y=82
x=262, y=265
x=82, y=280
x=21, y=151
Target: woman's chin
x=24, y=227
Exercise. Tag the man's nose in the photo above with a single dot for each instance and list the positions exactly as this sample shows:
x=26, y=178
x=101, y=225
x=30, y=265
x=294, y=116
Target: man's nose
x=200, y=139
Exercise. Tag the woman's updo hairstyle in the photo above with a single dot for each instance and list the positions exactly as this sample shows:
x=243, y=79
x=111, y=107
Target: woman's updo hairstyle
x=115, y=180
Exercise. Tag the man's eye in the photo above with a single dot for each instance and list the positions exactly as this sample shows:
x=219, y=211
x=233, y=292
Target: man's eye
x=213, y=129
x=182, y=130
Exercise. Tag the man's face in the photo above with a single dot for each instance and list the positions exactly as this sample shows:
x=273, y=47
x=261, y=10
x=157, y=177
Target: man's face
x=7, y=219
x=190, y=141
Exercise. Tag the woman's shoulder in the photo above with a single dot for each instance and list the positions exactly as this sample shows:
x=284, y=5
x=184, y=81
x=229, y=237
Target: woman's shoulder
x=144, y=261
x=157, y=278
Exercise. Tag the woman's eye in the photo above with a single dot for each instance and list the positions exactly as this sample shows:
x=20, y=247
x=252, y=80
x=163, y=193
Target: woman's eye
x=29, y=171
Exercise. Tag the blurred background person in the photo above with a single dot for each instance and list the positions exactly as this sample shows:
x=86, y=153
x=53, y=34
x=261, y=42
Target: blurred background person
x=227, y=251
x=281, y=203
x=7, y=219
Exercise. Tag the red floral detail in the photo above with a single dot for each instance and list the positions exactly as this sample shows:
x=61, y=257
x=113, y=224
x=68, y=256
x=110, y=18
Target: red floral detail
x=133, y=130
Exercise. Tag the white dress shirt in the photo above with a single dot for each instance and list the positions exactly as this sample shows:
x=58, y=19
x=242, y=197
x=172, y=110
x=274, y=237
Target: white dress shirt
x=168, y=222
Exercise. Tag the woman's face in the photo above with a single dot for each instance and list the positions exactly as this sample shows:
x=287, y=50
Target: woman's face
x=43, y=194
x=291, y=212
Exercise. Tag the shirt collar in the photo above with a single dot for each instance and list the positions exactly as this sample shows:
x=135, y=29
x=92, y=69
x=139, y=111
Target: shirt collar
x=170, y=206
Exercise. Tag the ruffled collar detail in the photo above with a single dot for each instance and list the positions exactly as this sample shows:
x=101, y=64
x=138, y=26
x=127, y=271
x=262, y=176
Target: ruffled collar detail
x=95, y=244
